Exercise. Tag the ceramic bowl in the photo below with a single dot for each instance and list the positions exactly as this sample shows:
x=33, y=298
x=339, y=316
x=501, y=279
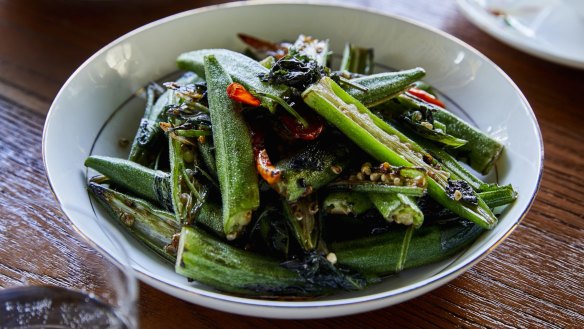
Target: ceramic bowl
x=98, y=105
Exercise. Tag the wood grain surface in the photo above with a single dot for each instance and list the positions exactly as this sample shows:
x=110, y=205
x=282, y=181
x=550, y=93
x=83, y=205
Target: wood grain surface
x=534, y=279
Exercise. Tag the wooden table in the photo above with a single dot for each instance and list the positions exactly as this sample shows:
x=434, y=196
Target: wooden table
x=533, y=279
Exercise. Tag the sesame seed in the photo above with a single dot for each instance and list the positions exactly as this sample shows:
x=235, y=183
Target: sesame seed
x=332, y=258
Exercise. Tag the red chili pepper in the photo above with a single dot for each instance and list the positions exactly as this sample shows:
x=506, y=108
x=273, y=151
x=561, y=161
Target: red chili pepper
x=238, y=93
x=263, y=164
x=298, y=131
x=426, y=96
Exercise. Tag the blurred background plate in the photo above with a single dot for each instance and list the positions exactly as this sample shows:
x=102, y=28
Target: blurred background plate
x=549, y=29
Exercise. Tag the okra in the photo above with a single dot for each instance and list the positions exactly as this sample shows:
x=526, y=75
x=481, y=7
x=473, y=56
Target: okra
x=207, y=150
x=347, y=203
x=480, y=152
x=210, y=261
x=303, y=222
x=382, y=87
x=151, y=184
x=233, y=152
x=148, y=140
x=380, y=188
x=398, y=208
x=386, y=253
x=188, y=194
x=357, y=60
x=240, y=68
x=312, y=167
x=498, y=196
x=153, y=227
x=385, y=143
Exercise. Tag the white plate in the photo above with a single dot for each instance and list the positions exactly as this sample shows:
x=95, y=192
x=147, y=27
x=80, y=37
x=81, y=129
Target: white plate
x=95, y=108
x=549, y=29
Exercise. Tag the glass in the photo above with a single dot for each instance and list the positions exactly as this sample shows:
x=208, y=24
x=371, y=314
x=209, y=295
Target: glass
x=51, y=277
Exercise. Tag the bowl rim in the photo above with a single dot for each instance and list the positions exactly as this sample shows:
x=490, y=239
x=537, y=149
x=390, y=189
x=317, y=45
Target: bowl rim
x=405, y=293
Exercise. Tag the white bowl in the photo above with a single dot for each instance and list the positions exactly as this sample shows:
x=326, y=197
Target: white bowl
x=96, y=107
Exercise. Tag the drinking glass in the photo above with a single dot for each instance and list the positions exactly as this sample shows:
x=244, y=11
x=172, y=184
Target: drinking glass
x=52, y=277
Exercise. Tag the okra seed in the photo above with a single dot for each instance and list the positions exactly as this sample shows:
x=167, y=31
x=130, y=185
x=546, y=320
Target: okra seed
x=170, y=249
x=188, y=156
x=384, y=177
x=405, y=219
x=231, y=236
x=313, y=208
x=298, y=215
x=374, y=177
x=360, y=176
x=417, y=115
x=336, y=169
x=331, y=257
x=427, y=125
x=366, y=168
x=384, y=167
x=184, y=198
x=397, y=181
x=457, y=195
x=128, y=219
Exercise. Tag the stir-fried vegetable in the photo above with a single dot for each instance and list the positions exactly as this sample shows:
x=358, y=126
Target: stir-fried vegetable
x=280, y=177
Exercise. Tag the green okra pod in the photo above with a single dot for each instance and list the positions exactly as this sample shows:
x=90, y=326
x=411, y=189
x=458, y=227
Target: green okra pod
x=188, y=194
x=382, y=87
x=498, y=196
x=481, y=151
x=357, y=60
x=303, y=222
x=346, y=203
x=240, y=68
x=210, y=261
x=233, y=152
x=151, y=184
x=385, y=143
x=398, y=208
x=384, y=253
x=311, y=168
x=153, y=227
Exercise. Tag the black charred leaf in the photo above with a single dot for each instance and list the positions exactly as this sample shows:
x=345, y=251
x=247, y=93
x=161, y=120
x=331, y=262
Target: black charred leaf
x=296, y=71
x=466, y=195
x=318, y=271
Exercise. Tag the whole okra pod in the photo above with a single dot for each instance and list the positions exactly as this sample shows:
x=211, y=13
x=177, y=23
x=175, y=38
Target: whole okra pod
x=153, y=227
x=233, y=152
x=398, y=249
